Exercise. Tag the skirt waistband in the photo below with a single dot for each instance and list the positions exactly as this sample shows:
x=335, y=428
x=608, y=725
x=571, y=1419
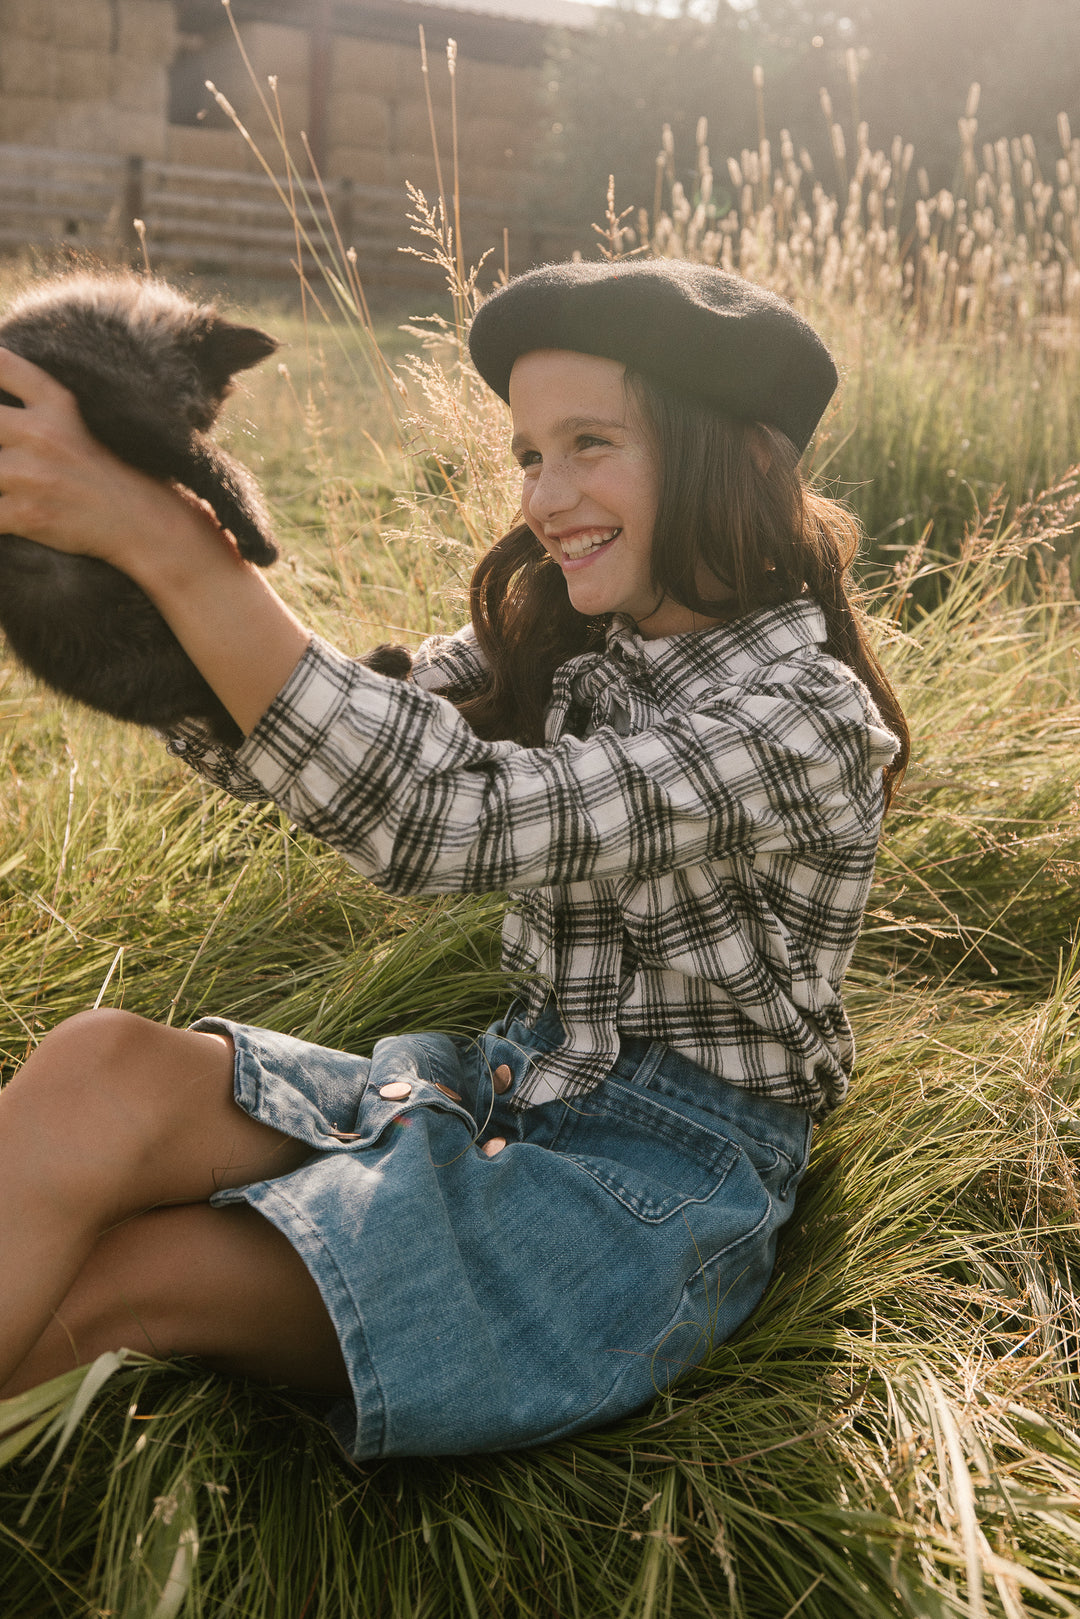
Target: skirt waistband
x=651, y=1065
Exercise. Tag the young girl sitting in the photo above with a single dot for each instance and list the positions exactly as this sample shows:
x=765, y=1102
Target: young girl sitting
x=664, y=734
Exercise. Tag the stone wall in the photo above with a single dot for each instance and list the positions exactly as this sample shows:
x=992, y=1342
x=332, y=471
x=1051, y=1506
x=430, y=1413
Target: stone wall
x=86, y=75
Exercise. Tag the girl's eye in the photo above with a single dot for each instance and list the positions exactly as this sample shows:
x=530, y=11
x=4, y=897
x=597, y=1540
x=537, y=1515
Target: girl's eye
x=584, y=441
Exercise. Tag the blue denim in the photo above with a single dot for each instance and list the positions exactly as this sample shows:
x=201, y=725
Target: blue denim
x=486, y=1303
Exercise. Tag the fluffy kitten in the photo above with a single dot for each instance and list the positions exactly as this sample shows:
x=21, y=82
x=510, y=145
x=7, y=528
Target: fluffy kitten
x=150, y=370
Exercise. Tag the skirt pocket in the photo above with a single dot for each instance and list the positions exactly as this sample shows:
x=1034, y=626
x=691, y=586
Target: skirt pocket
x=649, y=1157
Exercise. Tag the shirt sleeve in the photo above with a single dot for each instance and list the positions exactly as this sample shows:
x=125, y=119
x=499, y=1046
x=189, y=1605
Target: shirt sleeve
x=450, y=662
x=440, y=663
x=392, y=776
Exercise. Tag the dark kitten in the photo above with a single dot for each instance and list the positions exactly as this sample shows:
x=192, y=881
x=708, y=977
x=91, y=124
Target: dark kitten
x=150, y=370
x=390, y=659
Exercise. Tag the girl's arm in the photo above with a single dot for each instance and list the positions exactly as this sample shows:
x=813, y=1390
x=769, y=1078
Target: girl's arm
x=59, y=486
x=394, y=778
x=392, y=775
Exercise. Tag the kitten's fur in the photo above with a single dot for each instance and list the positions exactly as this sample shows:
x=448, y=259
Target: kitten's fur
x=150, y=370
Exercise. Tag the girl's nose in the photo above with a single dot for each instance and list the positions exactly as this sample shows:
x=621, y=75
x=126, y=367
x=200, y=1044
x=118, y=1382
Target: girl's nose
x=552, y=491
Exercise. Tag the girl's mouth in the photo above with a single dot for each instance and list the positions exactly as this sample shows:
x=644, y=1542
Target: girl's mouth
x=586, y=542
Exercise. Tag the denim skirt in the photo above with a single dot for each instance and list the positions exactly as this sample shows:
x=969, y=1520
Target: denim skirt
x=491, y=1302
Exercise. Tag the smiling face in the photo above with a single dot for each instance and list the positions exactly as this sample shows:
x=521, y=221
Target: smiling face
x=590, y=483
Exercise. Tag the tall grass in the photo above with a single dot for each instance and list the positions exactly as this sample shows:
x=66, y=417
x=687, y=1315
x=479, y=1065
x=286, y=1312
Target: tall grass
x=957, y=348
x=894, y=1432
x=998, y=252
x=897, y=1429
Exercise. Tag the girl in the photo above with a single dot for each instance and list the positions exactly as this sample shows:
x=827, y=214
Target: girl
x=664, y=734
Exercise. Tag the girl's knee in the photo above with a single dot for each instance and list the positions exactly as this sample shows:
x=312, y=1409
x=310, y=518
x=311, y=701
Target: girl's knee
x=103, y=1037
x=87, y=1057
x=98, y=1082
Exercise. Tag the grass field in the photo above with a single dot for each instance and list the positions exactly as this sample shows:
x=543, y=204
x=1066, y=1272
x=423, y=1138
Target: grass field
x=895, y=1432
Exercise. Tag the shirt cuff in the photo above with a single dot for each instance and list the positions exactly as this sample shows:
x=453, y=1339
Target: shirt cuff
x=192, y=742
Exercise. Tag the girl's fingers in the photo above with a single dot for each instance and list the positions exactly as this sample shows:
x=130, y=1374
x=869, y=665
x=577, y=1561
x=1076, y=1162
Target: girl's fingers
x=49, y=422
x=58, y=485
x=28, y=382
x=63, y=488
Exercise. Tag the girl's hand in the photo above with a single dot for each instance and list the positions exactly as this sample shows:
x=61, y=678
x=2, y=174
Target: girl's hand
x=59, y=486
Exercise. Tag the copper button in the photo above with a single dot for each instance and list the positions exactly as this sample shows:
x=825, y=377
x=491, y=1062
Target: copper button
x=490, y=1148
x=455, y=1096
x=503, y=1079
x=396, y=1091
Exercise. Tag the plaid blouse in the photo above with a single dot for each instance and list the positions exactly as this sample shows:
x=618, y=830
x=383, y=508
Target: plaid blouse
x=688, y=855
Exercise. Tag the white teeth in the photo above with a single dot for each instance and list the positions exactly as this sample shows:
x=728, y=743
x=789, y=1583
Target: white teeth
x=579, y=545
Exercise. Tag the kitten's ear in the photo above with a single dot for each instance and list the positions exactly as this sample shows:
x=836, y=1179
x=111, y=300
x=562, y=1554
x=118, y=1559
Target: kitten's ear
x=225, y=348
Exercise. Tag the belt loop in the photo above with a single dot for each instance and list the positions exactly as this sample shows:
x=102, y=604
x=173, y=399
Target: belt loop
x=652, y=1062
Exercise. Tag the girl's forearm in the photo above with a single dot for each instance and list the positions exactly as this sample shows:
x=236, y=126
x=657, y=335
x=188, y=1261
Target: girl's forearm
x=231, y=623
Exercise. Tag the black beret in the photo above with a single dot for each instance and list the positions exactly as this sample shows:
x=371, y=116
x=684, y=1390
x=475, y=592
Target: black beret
x=694, y=329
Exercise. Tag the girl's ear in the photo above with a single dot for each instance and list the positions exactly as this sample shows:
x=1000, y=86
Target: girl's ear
x=761, y=449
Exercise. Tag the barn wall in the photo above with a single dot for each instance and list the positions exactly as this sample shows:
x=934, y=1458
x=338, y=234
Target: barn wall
x=87, y=76
x=106, y=79
x=377, y=128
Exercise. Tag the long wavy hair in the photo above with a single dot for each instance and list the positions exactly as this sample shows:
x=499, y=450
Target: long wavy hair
x=732, y=504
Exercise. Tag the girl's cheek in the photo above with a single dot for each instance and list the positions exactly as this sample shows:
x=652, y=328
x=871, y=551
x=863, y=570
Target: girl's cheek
x=529, y=492
x=526, y=511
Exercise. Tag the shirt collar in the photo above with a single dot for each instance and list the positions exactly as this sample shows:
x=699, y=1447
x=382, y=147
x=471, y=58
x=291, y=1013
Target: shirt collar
x=726, y=651
x=640, y=676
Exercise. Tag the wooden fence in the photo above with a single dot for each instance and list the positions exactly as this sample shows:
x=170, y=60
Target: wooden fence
x=218, y=221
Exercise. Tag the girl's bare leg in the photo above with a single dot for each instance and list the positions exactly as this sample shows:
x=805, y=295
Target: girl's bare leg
x=110, y=1118
x=222, y=1284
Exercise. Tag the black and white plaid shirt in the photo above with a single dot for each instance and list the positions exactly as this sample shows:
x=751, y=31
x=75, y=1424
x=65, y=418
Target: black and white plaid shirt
x=688, y=855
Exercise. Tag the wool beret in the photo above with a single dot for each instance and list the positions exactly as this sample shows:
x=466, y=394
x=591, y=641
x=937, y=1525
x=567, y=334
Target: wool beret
x=694, y=329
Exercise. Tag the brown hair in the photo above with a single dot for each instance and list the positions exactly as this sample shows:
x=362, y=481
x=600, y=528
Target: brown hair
x=732, y=502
